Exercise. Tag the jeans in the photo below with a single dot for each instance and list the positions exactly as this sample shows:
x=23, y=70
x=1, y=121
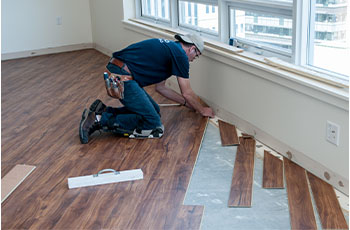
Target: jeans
x=140, y=111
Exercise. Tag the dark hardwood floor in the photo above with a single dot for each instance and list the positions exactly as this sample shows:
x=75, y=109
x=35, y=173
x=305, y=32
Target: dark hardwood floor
x=42, y=101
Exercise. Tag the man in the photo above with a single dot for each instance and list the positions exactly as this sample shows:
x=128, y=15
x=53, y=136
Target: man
x=141, y=64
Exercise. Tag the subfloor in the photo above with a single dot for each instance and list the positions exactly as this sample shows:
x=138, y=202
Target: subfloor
x=210, y=186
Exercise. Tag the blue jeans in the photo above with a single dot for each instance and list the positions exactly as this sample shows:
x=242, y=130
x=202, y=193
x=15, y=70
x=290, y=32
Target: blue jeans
x=140, y=111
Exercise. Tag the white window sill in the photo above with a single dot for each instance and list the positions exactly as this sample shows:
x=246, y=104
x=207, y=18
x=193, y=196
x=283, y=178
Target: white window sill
x=252, y=63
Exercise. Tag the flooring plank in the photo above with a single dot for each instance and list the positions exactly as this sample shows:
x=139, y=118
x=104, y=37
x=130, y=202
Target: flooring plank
x=272, y=171
x=243, y=173
x=40, y=122
x=327, y=204
x=299, y=198
x=228, y=134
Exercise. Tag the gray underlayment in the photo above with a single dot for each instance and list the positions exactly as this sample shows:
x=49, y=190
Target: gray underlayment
x=210, y=186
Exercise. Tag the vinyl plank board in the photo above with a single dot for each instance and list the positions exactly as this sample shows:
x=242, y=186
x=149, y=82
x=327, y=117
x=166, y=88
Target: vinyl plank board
x=327, y=204
x=272, y=172
x=228, y=134
x=299, y=198
x=243, y=173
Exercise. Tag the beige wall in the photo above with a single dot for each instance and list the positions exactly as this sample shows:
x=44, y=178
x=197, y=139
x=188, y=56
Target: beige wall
x=31, y=24
x=107, y=26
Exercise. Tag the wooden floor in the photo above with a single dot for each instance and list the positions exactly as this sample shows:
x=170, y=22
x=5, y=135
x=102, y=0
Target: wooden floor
x=42, y=101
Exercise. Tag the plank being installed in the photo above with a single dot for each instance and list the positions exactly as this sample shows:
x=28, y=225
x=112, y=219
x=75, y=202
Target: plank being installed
x=272, y=172
x=228, y=134
x=299, y=199
x=243, y=173
x=327, y=204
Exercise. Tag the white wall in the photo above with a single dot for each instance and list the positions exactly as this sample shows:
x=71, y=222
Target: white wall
x=107, y=26
x=31, y=24
x=290, y=117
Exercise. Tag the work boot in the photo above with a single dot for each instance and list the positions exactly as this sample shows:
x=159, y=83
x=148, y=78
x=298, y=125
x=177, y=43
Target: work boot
x=98, y=107
x=88, y=125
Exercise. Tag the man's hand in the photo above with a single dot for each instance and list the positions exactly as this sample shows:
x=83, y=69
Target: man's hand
x=207, y=112
x=192, y=100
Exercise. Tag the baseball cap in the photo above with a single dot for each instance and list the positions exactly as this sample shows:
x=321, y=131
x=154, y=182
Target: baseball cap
x=194, y=39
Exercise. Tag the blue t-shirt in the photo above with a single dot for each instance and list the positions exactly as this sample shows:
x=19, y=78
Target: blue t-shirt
x=154, y=60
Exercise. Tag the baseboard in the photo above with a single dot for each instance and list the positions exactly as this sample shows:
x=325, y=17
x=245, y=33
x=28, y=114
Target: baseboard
x=50, y=50
x=337, y=181
x=103, y=50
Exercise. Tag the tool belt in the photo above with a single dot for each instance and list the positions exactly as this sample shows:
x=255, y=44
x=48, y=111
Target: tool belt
x=118, y=79
x=123, y=66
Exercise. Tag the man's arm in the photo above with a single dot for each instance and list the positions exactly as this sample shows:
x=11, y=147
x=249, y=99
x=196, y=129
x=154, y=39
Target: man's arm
x=192, y=99
x=169, y=93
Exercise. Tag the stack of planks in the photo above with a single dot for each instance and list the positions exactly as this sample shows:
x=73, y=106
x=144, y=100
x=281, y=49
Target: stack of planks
x=297, y=180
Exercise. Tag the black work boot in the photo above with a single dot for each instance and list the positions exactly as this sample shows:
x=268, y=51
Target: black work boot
x=88, y=125
x=98, y=107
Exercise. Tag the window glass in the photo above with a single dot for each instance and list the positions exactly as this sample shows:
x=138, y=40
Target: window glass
x=157, y=9
x=329, y=42
x=198, y=16
x=261, y=28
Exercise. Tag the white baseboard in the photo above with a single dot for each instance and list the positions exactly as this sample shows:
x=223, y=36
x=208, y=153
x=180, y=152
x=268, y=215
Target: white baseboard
x=50, y=50
x=103, y=50
x=337, y=181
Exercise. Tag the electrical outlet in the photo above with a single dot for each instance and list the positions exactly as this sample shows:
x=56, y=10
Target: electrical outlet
x=332, y=133
x=59, y=20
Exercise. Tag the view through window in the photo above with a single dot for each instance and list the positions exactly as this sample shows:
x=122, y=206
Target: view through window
x=201, y=17
x=264, y=29
x=157, y=9
x=330, y=36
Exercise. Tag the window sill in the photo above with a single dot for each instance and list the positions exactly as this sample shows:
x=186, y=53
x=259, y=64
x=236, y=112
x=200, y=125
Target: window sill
x=252, y=63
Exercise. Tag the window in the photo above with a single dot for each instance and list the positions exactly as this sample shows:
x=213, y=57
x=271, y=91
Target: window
x=329, y=36
x=198, y=17
x=155, y=9
x=264, y=26
x=311, y=33
x=262, y=29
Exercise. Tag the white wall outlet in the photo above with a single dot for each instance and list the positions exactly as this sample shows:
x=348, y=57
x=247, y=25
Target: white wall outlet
x=332, y=133
x=59, y=20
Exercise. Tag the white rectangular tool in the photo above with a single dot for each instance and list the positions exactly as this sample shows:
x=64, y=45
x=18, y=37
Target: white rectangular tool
x=105, y=178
